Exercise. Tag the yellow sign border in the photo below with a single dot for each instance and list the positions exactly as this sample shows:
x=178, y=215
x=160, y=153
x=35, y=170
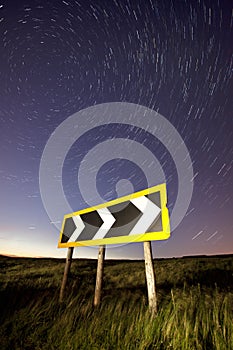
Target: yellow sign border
x=150, y=236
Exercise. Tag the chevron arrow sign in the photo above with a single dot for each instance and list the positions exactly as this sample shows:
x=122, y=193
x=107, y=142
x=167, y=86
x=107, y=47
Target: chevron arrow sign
x=141, y=216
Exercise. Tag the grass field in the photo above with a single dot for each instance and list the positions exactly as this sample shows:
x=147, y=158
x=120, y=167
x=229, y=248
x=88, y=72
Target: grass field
x=195, y=299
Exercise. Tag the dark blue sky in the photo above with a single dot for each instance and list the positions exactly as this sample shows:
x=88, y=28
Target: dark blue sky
x=60, y=57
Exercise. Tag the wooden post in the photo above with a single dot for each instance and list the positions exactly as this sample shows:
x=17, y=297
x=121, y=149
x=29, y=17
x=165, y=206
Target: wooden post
x=66, y=272
x=99, y=275
x=150, y=278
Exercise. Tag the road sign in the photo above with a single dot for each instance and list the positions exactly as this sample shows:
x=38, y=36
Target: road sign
x=141, y=216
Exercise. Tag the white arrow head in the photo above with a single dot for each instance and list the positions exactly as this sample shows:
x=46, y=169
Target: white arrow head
x=150, y=213
x=108, y=221
x=79, y=227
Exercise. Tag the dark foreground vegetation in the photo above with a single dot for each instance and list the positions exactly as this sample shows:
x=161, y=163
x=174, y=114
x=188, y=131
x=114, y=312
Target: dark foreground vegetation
x=195, y=297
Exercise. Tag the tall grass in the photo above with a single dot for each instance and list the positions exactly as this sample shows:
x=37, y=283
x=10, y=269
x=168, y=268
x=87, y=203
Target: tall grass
x=190, y=316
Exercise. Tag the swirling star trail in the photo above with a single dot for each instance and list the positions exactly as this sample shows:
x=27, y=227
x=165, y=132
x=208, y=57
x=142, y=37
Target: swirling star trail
x=60, y=57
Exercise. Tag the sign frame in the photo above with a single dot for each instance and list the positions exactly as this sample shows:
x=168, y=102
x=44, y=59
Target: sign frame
x=140, y=237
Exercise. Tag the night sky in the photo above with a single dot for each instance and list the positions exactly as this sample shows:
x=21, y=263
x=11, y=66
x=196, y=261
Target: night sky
x=61, y=57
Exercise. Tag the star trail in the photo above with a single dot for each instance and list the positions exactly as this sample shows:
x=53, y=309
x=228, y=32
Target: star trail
x=60, y=57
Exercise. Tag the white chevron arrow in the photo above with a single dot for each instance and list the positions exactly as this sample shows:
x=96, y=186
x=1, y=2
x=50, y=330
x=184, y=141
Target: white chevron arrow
x=79, y=227
x=150, y=213
x=108, y=221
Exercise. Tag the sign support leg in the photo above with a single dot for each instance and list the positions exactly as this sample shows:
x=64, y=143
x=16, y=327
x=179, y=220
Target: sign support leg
x=99, y=275
x=150, y=278
x=66, y=272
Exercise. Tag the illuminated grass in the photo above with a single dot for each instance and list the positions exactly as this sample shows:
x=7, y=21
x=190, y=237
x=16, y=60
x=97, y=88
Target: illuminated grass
x=191, y=315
